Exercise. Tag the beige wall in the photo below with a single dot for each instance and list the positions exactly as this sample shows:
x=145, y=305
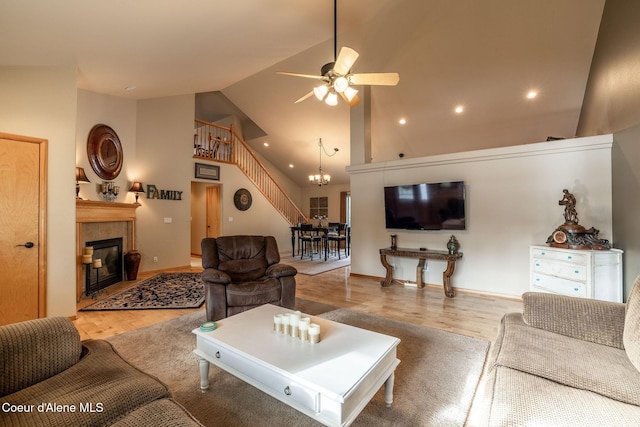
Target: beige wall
x=164, y=158
x=611, y=104
x=120, y=115
x=332, y=191
x=41, y=102
x=626, y=203
x=512, y=196
x=612, y=97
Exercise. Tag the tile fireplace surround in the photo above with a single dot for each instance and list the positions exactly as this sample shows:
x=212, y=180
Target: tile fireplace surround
x=97, y=220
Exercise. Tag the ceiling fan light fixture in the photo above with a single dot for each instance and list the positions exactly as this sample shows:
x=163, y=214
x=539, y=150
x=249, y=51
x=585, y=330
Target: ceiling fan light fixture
x=350, y=93
x=332, y=99
x=320, y=92
x=340, y=84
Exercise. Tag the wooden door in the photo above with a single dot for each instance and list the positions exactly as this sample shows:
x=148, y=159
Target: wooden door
x=213, y=211
x=22, y=228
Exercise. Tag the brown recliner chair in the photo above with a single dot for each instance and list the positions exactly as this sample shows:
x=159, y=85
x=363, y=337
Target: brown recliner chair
x=243, y=272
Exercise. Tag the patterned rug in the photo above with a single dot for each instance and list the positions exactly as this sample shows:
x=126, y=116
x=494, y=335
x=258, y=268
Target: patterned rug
x=165, y=290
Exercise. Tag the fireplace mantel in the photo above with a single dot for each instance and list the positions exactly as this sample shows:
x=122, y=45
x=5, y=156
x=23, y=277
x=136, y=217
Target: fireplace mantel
x=92, y=211
x=95, y=211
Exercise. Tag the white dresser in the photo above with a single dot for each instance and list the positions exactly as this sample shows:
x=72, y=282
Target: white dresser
x=578, y=273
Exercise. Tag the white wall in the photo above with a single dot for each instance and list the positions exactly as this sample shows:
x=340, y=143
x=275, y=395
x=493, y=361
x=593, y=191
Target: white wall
x=41, y=102
x=512, y=199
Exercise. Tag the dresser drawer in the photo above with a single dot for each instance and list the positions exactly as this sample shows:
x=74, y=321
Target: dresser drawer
x=253, y=371
x=541, y=282
x=560, y=255
x=559, y=269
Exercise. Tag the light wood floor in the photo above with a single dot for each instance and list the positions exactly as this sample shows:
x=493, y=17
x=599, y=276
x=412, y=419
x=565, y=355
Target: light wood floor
x=470, y=314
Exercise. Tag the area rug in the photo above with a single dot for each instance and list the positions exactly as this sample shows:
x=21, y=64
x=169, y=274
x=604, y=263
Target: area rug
x=316, y=266
x=434, y=383
x=165, y=290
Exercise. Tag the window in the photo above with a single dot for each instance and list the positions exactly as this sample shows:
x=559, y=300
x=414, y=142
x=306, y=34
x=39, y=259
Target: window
x=318, y=206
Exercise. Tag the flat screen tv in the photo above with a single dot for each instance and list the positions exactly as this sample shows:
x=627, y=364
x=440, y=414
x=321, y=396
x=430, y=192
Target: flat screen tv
x=436, y=206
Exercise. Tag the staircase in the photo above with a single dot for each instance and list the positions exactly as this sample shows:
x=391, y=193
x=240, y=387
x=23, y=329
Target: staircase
x=222, y=144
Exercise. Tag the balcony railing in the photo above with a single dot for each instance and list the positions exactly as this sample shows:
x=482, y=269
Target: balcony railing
x=223, y=144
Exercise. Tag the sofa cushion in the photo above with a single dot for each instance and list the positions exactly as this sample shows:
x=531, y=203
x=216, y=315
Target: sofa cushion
x=100, y=377
x=521, y=399
x=35, y=350
x=254, y=293
x=163, y=412
x=631, y=334
x=580, y=364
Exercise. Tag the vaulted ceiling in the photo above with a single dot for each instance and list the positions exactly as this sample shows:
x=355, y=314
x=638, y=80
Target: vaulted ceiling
x=483, y=55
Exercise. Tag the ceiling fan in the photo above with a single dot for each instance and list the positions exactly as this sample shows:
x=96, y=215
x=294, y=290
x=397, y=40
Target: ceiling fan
x=337, y=78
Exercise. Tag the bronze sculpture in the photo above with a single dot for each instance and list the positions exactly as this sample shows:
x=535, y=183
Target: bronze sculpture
x=571, y=234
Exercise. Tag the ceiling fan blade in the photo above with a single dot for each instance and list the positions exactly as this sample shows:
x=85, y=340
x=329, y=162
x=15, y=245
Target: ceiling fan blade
x=378, y=79
x=304, y=97
x=346, y=58
x=354, y=101
x=306, y=76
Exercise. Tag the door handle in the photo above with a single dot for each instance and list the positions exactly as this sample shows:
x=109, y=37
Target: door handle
x=27, y=245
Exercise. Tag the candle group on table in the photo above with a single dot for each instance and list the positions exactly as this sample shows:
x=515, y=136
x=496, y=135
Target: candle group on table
x=296, y=326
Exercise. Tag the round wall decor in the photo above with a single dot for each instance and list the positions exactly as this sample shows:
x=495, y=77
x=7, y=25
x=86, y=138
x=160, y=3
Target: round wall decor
x=104, y=151
x=242, y=199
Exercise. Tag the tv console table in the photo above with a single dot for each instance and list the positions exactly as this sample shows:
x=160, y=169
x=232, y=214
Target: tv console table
x=422, y=257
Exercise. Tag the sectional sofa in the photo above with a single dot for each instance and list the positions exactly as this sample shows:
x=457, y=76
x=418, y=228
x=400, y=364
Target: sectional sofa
x=49, y=377
x=566, y=361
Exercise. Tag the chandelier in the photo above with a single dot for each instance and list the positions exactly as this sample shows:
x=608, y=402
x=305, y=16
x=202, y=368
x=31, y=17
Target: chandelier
x=321, y=178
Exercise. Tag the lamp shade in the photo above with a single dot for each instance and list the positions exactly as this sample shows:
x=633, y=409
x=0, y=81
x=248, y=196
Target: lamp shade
x=80, y=175
x=136, y=187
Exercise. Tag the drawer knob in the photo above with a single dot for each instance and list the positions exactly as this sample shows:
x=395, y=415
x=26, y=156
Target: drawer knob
x=569, y=257
x=287, y=391
x=217, y=355
x=577, y=271
x=543, y=253
x=576, y=289
x=537, y=264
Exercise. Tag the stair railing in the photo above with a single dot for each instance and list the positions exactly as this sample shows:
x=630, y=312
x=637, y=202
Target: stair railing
x=222, y=144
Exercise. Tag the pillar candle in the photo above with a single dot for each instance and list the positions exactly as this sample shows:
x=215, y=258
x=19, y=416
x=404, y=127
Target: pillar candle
x=303, y=327
x=294, y=319
x=88, y=250
x=314, y=333
x=86, y=259
x=97, y=263
x=277, y=323
x=286, y=326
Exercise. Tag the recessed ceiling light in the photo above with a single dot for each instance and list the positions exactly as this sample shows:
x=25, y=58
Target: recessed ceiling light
x=128, y=88
x=290, y=165
x=402, y=121
x=532, y=94
x=459, y=109
x=266, y=144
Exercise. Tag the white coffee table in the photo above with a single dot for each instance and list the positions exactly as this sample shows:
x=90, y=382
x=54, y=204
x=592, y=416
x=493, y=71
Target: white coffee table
x=331, y=381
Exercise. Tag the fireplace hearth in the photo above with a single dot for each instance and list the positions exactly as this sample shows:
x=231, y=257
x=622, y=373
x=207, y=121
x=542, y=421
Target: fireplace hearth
x=109, y=251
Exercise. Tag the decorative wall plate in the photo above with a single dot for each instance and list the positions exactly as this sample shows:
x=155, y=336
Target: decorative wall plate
x=242, y=199
x=104, y=151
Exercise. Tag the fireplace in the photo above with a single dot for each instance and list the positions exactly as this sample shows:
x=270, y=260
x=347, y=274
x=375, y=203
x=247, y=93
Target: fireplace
x=109, y=251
